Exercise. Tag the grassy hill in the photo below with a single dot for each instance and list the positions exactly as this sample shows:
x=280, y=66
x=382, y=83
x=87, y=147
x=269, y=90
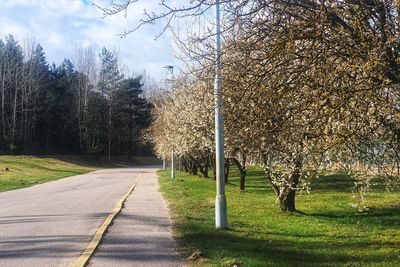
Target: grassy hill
x=23, y=171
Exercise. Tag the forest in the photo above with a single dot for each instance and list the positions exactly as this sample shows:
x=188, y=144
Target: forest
x=89, y=107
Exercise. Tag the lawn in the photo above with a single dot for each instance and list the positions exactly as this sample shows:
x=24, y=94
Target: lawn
x=24, y=171
x=327, y=232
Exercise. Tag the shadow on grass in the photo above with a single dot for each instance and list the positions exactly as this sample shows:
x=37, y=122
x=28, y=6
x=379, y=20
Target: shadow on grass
x=281, y=252
x=255, y=180
x=341, y=182
x=388, y=217
x=333, y=182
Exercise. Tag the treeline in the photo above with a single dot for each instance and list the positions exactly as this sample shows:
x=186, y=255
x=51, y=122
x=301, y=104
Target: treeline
x=307, y=86
x=91, y=107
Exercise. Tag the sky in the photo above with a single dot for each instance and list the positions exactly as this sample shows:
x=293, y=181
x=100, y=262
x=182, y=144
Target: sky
x=62, y=25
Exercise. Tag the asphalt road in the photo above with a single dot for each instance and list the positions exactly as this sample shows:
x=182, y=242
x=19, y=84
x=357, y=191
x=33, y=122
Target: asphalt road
x=52, y=223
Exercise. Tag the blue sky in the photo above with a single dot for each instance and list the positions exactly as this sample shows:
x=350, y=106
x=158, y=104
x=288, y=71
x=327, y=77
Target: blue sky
x=61, y=25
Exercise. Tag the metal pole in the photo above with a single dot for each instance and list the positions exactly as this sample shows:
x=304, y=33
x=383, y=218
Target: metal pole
x=221, y=218
x=170, y=81
x=172, y=165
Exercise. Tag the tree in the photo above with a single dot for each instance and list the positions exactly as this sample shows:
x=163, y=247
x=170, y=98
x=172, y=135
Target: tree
x=86, y=65
x=109, y=81
x=131, y=115
x=36, y=77
x=60, y=131
x=303, y=79
x=10, y=93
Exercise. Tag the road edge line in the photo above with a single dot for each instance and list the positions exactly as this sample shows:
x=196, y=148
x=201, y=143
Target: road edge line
x=98, y=236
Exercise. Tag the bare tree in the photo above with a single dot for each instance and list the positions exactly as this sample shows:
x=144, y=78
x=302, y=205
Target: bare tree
x=86, y=63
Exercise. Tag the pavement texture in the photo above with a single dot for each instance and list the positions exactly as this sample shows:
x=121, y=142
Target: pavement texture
x=141, y=234
x=52, y=223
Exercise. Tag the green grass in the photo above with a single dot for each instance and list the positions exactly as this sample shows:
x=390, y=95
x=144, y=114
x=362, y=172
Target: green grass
x=26, y=171
x=327, y=232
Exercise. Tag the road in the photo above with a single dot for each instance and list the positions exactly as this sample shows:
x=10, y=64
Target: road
x=52, y=223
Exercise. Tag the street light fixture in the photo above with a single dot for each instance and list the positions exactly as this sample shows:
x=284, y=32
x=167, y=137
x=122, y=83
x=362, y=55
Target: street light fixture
x=221, y=217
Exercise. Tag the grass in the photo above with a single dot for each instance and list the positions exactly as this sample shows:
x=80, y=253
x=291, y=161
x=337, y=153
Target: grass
x=327, y=232
x=25, y=171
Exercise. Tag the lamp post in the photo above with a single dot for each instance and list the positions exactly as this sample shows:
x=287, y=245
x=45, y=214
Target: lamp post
x=171, y=71
x=172, y=165
x=221, y=217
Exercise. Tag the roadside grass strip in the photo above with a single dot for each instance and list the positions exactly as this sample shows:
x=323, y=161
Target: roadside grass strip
x=91, y=248
x=327, y=231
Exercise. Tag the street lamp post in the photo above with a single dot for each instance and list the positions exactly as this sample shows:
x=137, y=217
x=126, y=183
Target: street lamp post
x=221, y=217
x=172, y=165
x=171, y=70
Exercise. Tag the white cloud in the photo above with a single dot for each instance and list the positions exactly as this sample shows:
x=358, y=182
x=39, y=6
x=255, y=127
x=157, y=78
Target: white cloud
x=12, y=3
x=56, y=39
x=60, y=25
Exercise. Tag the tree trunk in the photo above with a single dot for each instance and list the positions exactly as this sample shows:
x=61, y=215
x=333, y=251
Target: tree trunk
x=109, y=132
x=14, y=115
x=288, y=194
x=130, y=142
x=269, y=178
x=204, y=170
x=80, y=134
x=287, y=201
x=109, y=148
x=227, y=170
x=3, y=125
x=242, y=170
x=214, y=171
x=242, y=180
x=190, y=166
x=185, y=164
x=195, y=168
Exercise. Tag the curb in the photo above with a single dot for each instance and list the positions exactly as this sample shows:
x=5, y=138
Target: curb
x=98, y=236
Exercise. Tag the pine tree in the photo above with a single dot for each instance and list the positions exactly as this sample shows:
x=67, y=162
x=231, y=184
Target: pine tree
x=109, y=81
